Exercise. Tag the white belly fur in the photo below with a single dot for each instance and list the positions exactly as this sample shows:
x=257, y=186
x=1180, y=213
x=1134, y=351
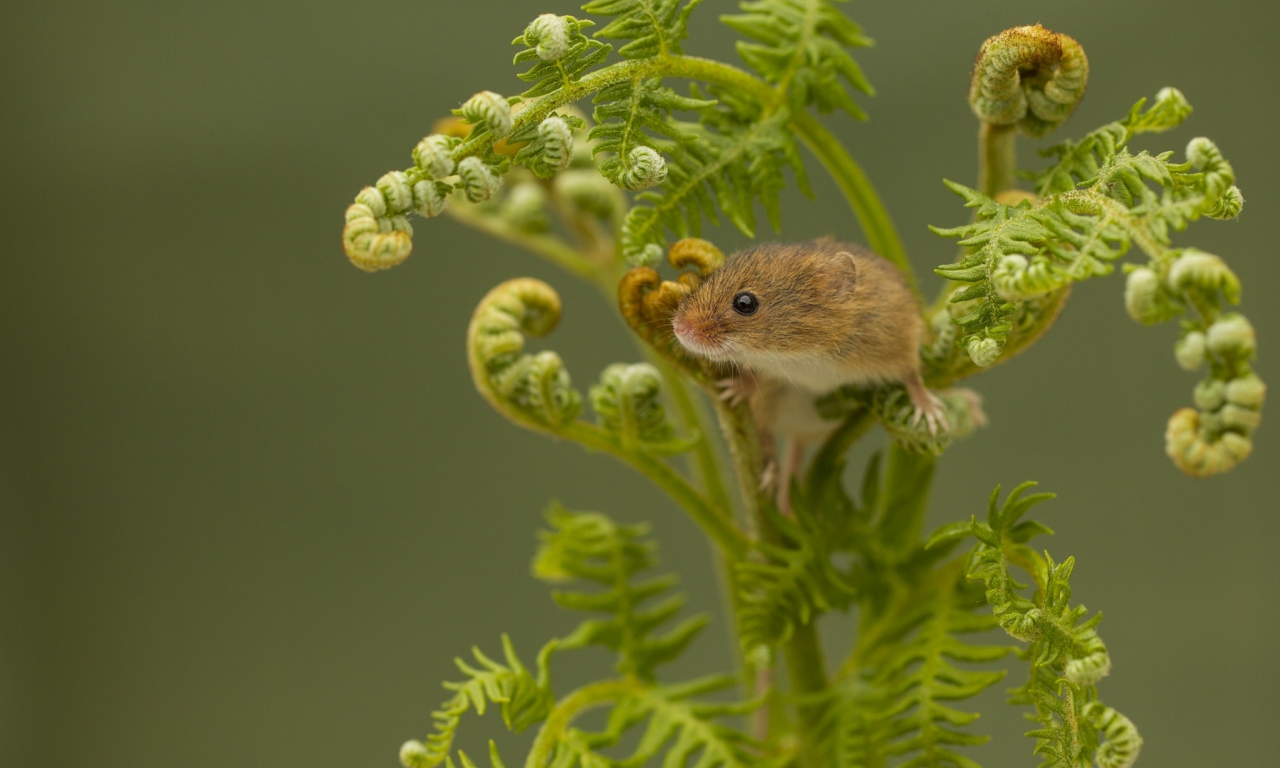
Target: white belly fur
x=816, y=375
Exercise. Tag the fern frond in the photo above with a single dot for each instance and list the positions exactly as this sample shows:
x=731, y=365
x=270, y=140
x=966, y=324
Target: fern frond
x=626, y=114
x=522, y=699
x=563, y=54
x=1066, y=656
x=681, y=729
x=795, y=581
x=893, y=702
x=801, y=46
x=893, y=409
x=1098, y=200
x=654, y=27
x=588, y=546
x=733, y=157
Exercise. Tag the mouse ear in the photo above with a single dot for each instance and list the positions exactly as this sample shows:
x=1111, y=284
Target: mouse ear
x=848, y=269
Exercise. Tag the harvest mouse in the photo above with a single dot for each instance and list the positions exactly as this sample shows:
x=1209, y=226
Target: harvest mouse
x=801, y=319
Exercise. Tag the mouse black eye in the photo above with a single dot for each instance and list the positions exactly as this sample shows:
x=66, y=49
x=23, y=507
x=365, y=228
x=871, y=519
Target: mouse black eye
x=745, y=303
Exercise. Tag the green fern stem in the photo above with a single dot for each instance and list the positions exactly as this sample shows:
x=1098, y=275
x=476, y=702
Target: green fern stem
x=997, y=158
x=881, y=235
x=715, y=522
x=562, y=715
x=549, y=247
x=862, y=197
x=808, y=672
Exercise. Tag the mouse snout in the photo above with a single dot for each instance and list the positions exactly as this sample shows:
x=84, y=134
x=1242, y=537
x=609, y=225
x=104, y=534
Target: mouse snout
x=694, y=333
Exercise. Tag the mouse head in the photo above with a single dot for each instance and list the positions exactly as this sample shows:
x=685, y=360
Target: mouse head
x=775, y=299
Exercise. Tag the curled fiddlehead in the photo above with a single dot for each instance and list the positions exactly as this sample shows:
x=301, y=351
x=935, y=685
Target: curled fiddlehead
x=1028, y=77
x=647, y=301
x=534, y=391
x=530, y=389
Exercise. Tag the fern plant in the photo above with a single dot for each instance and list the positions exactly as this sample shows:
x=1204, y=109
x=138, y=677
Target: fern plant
x=608, y=164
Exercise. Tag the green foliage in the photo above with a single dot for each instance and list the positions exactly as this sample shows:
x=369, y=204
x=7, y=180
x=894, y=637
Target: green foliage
x=895, y=706
x=801, y=45
x=791, y=582
x=654, y=27
x=734, y=156
x=587, y=546
x=1096, y=202
x=564, y=62
x=1066, y=656
x=530, y=171
x=522, y=699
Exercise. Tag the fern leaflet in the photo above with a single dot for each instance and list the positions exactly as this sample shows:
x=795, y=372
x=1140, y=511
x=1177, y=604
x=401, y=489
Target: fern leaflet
x=654, y=27
x=522, y=699
x=588, y=546
x=801, y=46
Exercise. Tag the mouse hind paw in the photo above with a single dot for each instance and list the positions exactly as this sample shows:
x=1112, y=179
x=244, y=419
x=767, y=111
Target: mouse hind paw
x=929, y=408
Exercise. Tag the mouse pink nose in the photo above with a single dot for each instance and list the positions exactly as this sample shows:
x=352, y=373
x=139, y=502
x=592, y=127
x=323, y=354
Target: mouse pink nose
x=680, y=325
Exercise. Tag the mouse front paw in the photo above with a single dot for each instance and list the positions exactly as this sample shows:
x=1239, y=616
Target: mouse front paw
x=737, y=390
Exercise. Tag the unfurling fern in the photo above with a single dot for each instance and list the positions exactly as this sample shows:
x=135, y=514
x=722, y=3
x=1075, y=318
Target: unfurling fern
x=1066, y=656
x=590, y=547
x=522, y=699
x=563, y=53
x=1095, y=203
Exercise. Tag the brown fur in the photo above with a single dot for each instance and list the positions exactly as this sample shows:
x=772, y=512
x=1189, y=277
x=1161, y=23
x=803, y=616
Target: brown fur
x=830, y=313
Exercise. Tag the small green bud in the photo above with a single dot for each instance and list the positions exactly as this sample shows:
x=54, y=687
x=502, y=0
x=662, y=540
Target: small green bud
x=492, y=109
x=1232, y=336
x=479, y=182
x=1089, y=669
x=413, y=754
x=394, y=186
x=1240, y=419
x=645, y=168
x=1248, y=391
x=1228, y=206
x=1197, y=269
x=434, y=155
x=983, y=352
x=1017, y=280
x=373, y=200
x=1210, y=394
x=1144, y=299
x=1187, y=443
x=1218, y=174
x=525, y=207
x=557, y=142
x=650, y=256
x=430, y=198
x=1170, y=110
x=549, y=35
x=375, y=242
x=1189, y=351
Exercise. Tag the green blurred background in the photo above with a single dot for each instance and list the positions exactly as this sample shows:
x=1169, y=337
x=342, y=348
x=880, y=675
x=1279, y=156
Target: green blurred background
x=252, y=507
